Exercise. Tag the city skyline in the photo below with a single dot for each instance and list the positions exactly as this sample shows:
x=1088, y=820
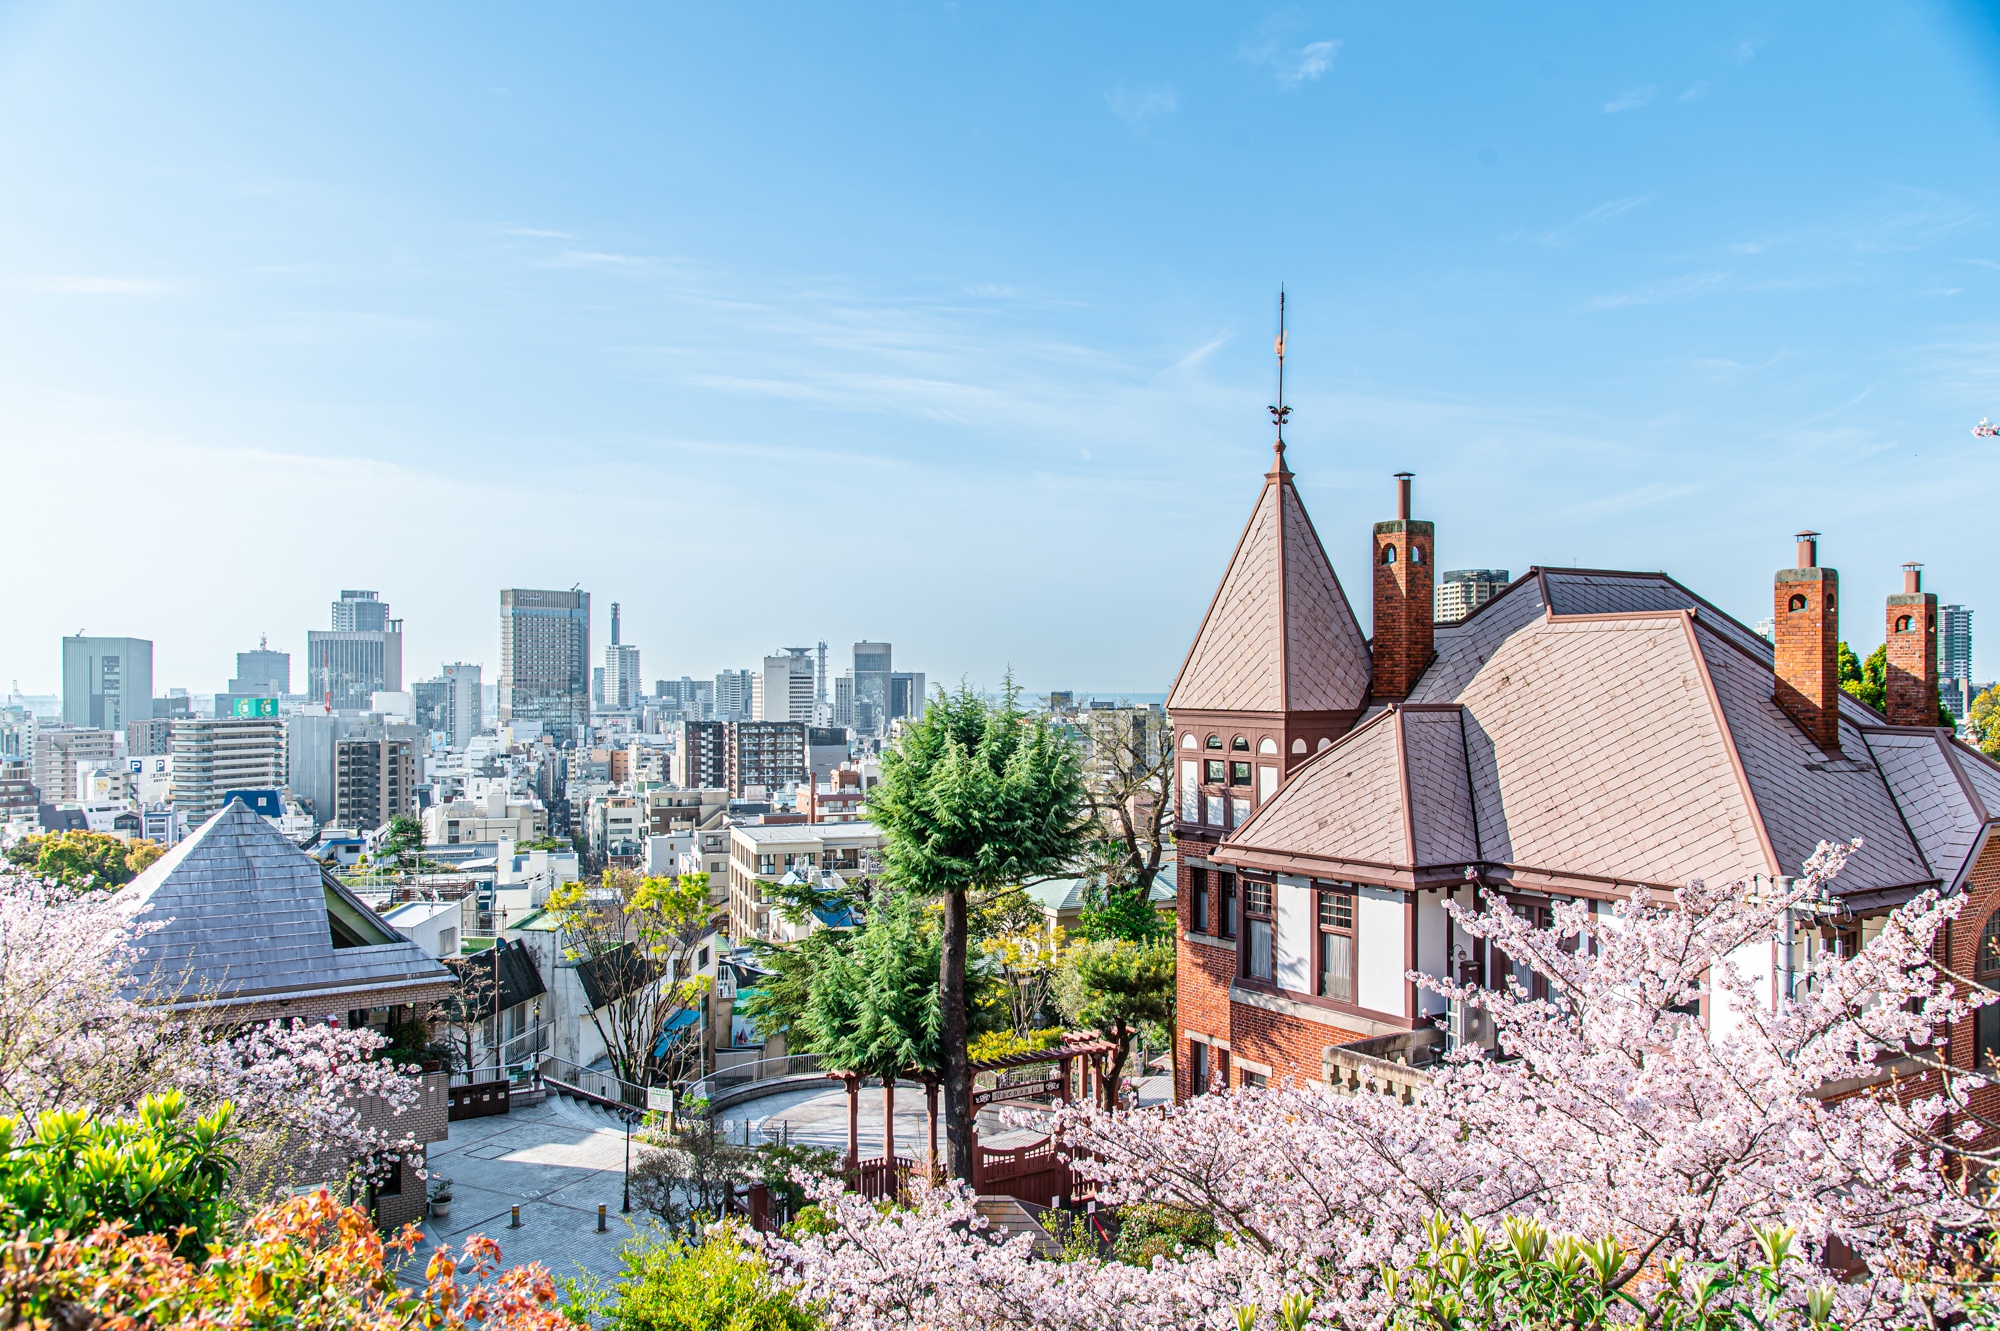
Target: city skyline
x=1641, y=290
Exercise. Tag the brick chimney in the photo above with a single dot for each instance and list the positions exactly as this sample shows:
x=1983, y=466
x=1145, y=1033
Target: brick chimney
x=1805, y=602
x=1404, y=592
x=1912, y=684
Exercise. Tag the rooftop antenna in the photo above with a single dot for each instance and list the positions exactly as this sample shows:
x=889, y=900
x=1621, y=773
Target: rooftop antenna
x=1280, y=412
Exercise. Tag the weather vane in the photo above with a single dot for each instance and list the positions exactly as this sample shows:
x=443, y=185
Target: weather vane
x=1280, y=413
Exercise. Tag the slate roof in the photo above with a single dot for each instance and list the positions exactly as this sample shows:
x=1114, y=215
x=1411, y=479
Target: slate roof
x=1612, y=727
x=1279, y=634
x=520, y=982
x=249, y=919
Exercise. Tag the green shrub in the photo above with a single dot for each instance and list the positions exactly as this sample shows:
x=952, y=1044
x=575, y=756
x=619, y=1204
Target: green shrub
x=159, y=1173
x=1148, y=1229
x=669, y=1285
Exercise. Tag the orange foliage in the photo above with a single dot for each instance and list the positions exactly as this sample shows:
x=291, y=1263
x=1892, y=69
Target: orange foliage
x=309, y=1262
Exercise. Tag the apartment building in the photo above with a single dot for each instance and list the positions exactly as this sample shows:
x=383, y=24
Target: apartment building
x=60, y=750
x=499, y=815
x=760, y=854
x=768, y=755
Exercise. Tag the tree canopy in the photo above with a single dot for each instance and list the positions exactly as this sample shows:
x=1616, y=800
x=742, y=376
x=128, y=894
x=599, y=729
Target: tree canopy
x=83, y=859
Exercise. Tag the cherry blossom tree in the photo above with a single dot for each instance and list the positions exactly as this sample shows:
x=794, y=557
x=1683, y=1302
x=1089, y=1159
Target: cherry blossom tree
x=1610, y=1114
x=77, y=1033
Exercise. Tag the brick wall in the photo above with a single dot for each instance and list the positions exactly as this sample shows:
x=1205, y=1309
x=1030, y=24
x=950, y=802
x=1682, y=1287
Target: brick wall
x=1982, y=898
x=1404, y=597
x=1911, y=692
x=1201, y=986
x=1808, y=637
x=1289, y=1046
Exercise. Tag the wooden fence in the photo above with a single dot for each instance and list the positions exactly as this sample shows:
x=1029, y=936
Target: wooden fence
x=1032, y=1173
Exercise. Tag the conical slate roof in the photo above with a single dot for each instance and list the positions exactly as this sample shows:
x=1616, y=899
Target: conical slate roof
x=251, y=917
x=1279, y=635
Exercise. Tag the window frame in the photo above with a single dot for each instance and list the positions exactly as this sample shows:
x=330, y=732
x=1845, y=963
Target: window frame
x=1259, y=922
x=1329, y=901
x=1226, y=898
x=1199, y=915
x=1987, y=960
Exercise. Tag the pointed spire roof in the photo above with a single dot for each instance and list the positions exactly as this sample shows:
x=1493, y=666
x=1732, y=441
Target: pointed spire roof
x=1279, y=635
x=249, y=916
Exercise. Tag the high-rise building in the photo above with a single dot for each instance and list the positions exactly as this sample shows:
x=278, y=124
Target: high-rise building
x=354, y=773
x=1464, y=590
x=360, y=612
x=145, y=739
x=360, y=657
x=732, y=695
x=106, y=682
x=214, y=755
x=263, y=673
x=463, y=714
x=694, y=697
x=545, y=660
x=766, y=754
x=59, y=750
x=906, y=694
x=700, y=760
x=623, y=688
x=783, y=691
x=871, y=687
x=1954, y=642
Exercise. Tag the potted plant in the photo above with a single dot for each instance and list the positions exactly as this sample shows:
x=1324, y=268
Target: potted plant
x=440, y=1198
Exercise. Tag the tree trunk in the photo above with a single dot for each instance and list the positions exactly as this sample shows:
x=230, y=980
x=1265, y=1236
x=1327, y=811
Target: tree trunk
x=957, y=1063
x=1108, y=1077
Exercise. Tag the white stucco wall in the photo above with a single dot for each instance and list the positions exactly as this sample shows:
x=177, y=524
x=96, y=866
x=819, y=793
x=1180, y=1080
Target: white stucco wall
x=1379, y=949
x=1294, y=913
x=1431, y=958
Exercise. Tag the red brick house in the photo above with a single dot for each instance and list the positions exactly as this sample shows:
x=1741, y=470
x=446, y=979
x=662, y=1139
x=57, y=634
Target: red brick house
x=1583, y=733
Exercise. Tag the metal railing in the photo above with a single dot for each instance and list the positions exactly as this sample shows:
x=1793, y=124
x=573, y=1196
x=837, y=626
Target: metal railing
x=739, y=1074
x=589, y=1084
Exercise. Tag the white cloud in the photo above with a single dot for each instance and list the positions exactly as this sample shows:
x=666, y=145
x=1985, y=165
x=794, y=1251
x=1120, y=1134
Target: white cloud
x=1696, y=91
x=1603, y=212
x=105, y=286
x=1135, y=106
x=1290, y=62
x=1660, y=292
x=532, y=231
x=1631, y=99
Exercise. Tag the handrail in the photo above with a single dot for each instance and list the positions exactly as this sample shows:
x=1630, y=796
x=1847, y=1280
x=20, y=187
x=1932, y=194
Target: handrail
x=588, y=1084
x=762, y=1069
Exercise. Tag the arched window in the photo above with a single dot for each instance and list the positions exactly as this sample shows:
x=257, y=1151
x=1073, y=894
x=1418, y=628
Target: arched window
x=1267, y=745
x=1298, y=746
x=1989, y=946
x=1323, y=744
x=1188, y=741
x=1902, y=623
x=1416, y=554
x=1240, y=744
x=1796, y=603
x=1388, y=554
x=1215, y=741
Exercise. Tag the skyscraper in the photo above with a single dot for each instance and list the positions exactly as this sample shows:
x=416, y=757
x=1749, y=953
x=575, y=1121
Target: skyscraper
x=622, y=685
x=1954, y=642
x=784, y=690
x=107, y=681
x=732, y=695
x=545, y=660
x=871, y=687
x=360, y=657
x=450, y=704
x=1464, y=590
x=360, y=612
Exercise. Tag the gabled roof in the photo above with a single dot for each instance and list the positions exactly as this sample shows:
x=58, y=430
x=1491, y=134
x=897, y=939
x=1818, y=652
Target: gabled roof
x=1279, y=635
x=519, y=981
x=251, y=917
x=1611, y=727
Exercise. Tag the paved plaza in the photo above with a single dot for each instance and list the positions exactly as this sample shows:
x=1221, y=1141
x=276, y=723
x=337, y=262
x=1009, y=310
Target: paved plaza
x=561, y=1159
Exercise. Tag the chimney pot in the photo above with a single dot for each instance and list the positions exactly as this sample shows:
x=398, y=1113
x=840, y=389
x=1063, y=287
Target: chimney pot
x=1808, y=549
x=1913, y=579
x=1403, y=495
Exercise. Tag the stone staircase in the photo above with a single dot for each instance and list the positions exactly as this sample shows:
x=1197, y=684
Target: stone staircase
x=1008, y=1216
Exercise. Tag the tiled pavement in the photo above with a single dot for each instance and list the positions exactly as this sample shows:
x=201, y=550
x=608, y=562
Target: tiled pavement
x=551, y=1161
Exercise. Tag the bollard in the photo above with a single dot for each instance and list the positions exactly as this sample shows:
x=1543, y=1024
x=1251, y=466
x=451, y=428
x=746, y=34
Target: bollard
x=515, y=1223
x=600, y=1217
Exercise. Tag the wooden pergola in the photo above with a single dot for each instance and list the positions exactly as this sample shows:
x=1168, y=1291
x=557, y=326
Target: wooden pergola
x=1076, y=1048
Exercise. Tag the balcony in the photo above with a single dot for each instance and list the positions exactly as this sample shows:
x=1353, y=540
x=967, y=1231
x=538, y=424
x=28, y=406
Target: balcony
x=1389, y=1065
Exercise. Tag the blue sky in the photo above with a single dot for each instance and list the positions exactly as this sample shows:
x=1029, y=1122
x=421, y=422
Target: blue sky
x=950, y=324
